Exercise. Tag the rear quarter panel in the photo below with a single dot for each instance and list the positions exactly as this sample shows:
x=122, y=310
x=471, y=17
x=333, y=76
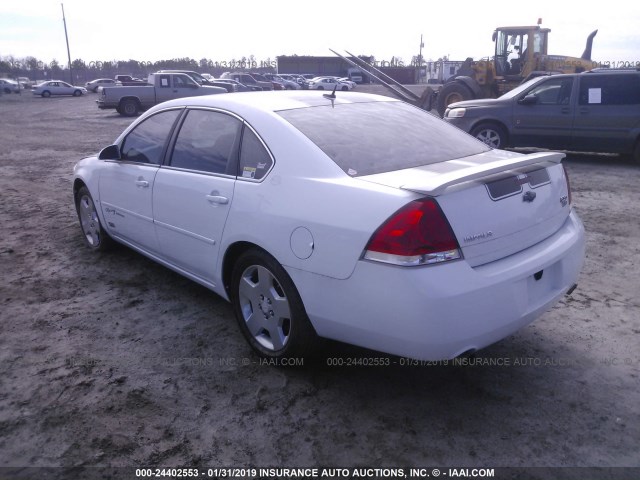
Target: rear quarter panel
x=308, y=190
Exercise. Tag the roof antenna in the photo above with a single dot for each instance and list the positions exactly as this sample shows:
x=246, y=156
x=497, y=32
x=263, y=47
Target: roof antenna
x=331, y=97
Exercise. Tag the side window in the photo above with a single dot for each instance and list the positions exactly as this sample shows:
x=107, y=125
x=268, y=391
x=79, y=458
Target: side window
x=182, y=81
x=146, y=141
x=553, y=92
x=206, y=141
x=610, y=90
x=255, y=161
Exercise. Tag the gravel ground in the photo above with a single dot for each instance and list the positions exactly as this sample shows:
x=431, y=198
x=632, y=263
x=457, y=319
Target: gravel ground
x=111, y=360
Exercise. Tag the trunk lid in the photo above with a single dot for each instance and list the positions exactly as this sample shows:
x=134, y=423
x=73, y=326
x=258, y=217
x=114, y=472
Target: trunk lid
x=498, y=203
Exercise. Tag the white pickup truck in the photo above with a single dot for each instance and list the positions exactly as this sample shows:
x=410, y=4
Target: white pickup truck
x=130, y=101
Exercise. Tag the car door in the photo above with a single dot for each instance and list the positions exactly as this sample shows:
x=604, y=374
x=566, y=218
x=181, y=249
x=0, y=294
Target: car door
x=608, y=112
x=126, y=185
x=64, y=89
x=545, y=118
x=193, y=192
x=175, y=86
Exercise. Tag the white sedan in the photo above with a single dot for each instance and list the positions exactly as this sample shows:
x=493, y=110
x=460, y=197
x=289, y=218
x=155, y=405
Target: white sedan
x=94, y=85
x=353, y=217
x=328, y=83
x=58, y=87
x=8, y=86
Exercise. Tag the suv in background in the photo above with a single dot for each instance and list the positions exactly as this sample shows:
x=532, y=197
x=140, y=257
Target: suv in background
x=595, y=111
x=248, y=80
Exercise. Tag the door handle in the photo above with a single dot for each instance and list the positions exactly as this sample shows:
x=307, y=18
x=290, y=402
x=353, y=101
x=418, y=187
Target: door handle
x=584, y=111
x=218, y=199
x=565, y=110
x=142, y=183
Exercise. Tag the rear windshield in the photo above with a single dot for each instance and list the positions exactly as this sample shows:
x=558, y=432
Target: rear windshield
x=377, y=137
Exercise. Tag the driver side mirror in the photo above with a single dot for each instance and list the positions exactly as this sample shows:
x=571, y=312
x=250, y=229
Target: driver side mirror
x=112, y=152
x=528, y=100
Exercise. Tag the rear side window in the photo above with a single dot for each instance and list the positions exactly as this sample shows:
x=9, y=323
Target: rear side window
x=145, y=143
x=376, y=137
x=206, y=142
x=255, y=161
x=611, y=89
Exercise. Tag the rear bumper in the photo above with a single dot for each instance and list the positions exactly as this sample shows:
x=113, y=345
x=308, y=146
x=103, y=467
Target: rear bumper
x=441, y=311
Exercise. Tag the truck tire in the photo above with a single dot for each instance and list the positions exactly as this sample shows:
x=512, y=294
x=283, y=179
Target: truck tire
x=129, y=107
x=452, y=92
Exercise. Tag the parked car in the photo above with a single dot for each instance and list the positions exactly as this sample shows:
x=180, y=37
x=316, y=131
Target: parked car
x=93, y=85
x=299, y=79
x=356, y=217
x=25, y=83
x=58, y=87
x=202, y=80
x=588, y=112
x=9, y=86
x=129, y=81
x=262, y=80
x=286, y=83
x=328, y=83
x=237, y=86
x=346, y=80
x=248, y=80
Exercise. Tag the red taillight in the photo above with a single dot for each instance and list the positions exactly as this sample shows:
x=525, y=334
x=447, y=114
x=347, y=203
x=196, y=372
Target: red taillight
x=417, y=234
x=566, y=176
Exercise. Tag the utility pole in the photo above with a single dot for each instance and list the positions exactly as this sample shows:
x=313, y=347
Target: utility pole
x=64, y=21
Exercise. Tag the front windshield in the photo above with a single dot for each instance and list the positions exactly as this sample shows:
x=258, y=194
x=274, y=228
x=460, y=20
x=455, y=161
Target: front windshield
x=522, y=87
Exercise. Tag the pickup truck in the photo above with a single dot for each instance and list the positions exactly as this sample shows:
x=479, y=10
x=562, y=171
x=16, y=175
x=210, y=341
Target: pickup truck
x=129, y=101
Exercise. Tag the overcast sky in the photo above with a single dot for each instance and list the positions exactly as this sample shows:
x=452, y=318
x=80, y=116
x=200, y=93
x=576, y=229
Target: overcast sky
x=225, y=30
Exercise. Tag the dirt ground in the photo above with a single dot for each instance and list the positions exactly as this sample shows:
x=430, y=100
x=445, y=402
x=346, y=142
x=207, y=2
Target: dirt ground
x=111, y=360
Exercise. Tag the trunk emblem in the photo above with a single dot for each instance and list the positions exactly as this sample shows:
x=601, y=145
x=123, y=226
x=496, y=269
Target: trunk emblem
x=529, y=197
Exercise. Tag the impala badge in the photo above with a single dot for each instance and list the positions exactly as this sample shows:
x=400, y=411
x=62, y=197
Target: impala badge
x=529, y=197
x=564, y=200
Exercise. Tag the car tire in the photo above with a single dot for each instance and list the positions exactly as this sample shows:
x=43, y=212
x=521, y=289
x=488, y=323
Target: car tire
x=77, y=93
x=320, y=88
x=450, y=93
x=129, y=107
x=269, y=309
x=344, y=88
x=93, y=233
x=491, y=134
x=46, y=94
x=7, y=90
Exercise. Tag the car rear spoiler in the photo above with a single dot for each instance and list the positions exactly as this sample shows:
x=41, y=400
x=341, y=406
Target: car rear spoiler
x=470, y=170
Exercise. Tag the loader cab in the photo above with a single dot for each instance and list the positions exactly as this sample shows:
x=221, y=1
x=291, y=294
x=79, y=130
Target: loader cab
x=516, y=50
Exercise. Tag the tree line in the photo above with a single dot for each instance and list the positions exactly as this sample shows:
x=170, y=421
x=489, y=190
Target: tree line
x=82, y=71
